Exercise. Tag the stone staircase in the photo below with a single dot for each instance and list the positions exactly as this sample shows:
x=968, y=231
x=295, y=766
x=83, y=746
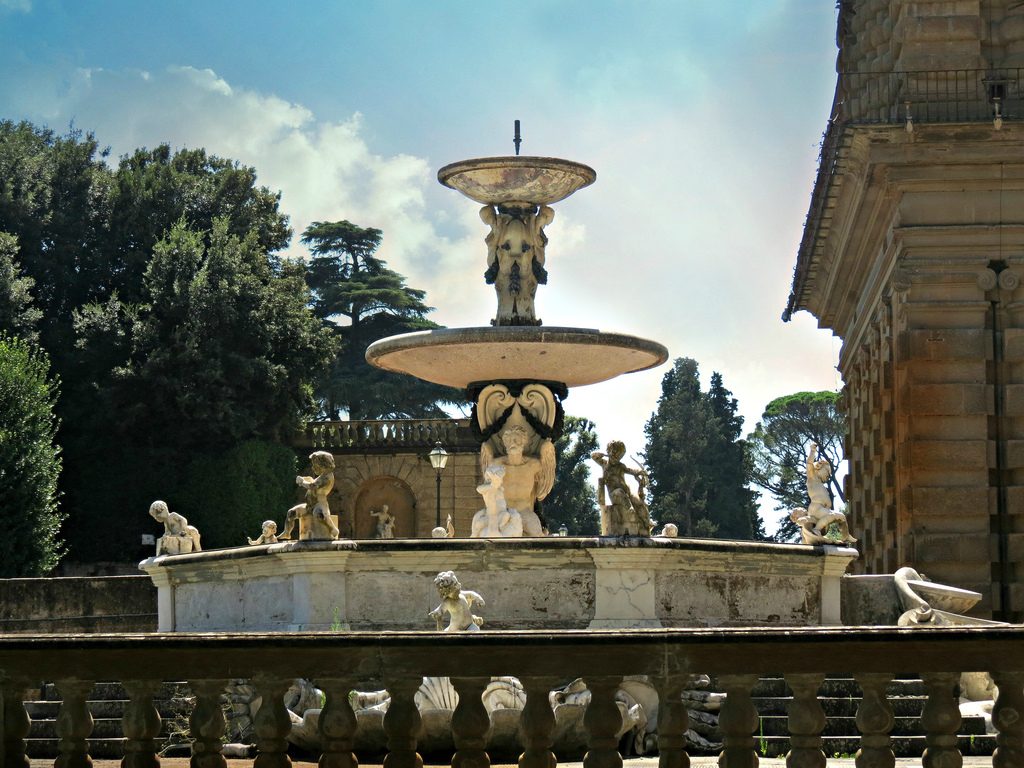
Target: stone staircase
x=106, y=703
x=839, y=698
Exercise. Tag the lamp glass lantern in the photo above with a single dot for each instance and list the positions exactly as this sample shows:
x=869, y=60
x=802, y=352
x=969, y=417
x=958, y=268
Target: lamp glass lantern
x=438, y=459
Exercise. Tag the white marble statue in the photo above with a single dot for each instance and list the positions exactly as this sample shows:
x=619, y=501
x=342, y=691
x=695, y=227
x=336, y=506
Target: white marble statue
x=314, y=516
x=496, y=520
x=515, y=260
x=527, y=479
x=385, y=523
x=457, y=603
x=670, y=530
x=625, y=513
x=819, y=523
x=179, y=537
x=268, y=534
x=446, y=531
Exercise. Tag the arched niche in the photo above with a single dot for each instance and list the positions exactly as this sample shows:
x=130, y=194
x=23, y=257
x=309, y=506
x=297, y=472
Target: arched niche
x=376, y=492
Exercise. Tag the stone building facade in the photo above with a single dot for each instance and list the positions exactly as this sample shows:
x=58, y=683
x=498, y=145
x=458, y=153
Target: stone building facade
x=386, y=462
x=912, y=253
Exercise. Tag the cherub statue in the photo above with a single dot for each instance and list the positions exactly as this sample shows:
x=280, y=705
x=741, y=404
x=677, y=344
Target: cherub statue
x=626, y=514
x=314, y=517
x=456, y=602
x=495, y=520
x=268, y=534
x=515, y=260
x=446, y=531
x=179, y=537
x=819, y=523
x=527, y=479
x=385, y=522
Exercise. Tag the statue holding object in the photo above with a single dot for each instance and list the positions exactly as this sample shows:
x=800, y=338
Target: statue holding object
x=625, y=513
x=385, y=523
x=314, y=516
x=496, y=520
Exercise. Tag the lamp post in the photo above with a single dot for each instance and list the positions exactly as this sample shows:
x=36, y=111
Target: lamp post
x=438, y=458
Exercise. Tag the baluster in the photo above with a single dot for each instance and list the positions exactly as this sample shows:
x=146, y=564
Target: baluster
x=738, y=720
x=140, y=724
x=806, y=722
x=536, y=724
x=337, y=726
x=673, y=722
x=206, y=724
x=470, y=723
x=16, y=723
x=272, y=724
x=74, y=724
x=941, y=719
x=402, y=725
x=1008, y=718
x=602, y=721
x=874, y=721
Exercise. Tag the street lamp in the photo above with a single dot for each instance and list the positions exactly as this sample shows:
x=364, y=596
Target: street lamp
x=438, y=458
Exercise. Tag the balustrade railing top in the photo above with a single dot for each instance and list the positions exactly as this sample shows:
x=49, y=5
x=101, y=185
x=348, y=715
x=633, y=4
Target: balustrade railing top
x=389, y=435
x=399, y=660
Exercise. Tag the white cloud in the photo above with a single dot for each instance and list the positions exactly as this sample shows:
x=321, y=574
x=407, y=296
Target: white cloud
x=22, y=6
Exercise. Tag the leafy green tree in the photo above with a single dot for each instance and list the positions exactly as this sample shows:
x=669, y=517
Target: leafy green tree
x=363, y=300
x=695, y=458
x=18, y=315
x=778, y=449
x=223, y=350
x=29, y=462
x=573, y=501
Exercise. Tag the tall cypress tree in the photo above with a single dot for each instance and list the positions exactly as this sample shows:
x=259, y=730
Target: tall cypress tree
x=696, y=460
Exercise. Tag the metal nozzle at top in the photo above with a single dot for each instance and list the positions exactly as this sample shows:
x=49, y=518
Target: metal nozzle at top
x=517, y=139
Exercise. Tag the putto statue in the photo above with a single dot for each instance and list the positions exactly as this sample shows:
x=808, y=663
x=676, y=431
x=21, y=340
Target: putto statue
x=819, y=523
x=495, y=520
x=515, y=260
x=314, y=517
x=446, y=531
x=625, y=513
x=179, y=537
x=268, y=534
x=385, y=523
x=457, y=603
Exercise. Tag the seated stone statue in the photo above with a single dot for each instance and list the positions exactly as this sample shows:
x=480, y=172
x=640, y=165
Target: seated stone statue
x=528, y=479
x=496, y=519
x=314, y=517
x=179, y=537
x=456, y=602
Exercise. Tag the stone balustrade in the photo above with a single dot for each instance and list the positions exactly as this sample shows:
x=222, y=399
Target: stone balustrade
x=397, y=660
x=387, y=434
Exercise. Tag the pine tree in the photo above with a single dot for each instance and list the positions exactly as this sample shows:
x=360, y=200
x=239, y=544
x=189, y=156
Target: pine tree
x=363, y=301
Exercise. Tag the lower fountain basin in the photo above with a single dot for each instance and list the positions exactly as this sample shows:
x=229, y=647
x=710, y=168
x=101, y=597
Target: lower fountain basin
x=458, y=357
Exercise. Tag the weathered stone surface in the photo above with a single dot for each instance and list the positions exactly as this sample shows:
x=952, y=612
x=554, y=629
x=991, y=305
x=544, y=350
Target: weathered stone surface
x=559, y=584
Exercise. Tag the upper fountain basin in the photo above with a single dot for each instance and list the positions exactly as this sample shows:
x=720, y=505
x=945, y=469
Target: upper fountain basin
x=522, y=180
x=458, y=357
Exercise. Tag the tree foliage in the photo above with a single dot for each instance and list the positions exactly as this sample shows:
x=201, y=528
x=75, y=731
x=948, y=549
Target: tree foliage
x=697, y=471
x=573, y=501
x=778, y=449
x=29, y=462
x=363, y=300
x=18, y=314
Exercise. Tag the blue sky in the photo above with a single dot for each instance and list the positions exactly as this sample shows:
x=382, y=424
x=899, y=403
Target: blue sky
x=701, y=117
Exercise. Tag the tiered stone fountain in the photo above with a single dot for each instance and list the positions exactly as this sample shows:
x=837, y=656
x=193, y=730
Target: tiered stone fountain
x=516, y=371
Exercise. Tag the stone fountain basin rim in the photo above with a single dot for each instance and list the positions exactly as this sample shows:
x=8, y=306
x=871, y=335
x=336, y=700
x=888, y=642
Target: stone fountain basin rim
x=459, y=357
x=490, y=192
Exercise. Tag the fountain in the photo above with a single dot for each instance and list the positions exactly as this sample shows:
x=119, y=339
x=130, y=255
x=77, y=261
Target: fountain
x=516, y=371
